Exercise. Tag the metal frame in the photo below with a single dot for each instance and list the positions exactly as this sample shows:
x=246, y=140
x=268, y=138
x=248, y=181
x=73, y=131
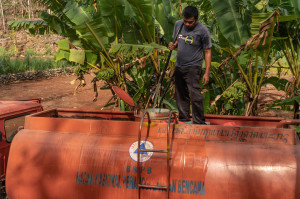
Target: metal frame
x=169, y=147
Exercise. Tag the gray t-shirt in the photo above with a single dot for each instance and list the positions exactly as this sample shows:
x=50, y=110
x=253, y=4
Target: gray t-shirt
x=191, y=44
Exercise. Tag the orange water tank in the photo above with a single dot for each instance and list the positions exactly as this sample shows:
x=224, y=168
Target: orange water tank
x=93, y=154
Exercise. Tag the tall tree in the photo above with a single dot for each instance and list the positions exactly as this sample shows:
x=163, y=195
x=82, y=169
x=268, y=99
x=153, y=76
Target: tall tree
x=2, y=14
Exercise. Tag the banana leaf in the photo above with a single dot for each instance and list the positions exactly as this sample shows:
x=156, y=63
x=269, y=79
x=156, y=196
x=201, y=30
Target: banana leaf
x=98, y=29
x=63, y=45
x=76, y=14
x=140, y=12
x=230, y=22
x=112, y=13
x=135, y=49
x=56, y=6
x=77, y=56
x=58, y=26
x=165, y=14
x=257, y=20
x=170, y=103
x=33, y=26
x=290, y=7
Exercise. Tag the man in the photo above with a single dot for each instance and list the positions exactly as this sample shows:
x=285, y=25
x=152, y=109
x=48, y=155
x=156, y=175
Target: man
x=193, y=39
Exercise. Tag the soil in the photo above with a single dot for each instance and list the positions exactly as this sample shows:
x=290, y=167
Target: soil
x=58, y=92
x=267, y=96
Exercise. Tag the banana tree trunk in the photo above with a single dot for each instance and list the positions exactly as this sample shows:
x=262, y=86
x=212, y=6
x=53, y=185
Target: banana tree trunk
x=251, y=106
x=296, y=110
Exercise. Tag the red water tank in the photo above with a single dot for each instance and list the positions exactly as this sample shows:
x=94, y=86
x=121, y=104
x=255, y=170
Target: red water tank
x=69, y=154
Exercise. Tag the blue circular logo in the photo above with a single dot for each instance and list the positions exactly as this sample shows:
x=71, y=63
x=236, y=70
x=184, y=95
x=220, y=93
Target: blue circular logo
x=144, y=156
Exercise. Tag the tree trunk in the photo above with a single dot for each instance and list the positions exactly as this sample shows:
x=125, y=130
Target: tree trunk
x=14, y=5
x=22, y=8
x=3, y=20
x=29, y=10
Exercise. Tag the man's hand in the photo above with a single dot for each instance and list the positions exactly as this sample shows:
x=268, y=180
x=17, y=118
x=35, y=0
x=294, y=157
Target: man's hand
x=205, y=79
x=172, y=45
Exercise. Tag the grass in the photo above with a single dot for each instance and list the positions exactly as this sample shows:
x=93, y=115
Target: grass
x=31, y=62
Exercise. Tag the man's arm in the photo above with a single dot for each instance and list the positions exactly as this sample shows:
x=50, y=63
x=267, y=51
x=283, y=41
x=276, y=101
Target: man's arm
x=205, y=79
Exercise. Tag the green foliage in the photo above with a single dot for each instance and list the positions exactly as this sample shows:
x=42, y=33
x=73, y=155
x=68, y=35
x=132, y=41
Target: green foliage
x=64, y=44
x=298, y=130
x=105, y=74
x=234, y=98
x=288, y=43
x=29, y=63
x=166, y=16
x=235, y=93
x=34, y=26
x=61, y=54
x=285, y=104
x=91, y=58
x=287, y=7
x=207, y=99
x=278, y=83
x=132, y=50
x=141, y=87
x=76, y=14
x=230, y=21
x=140, y=11
x=257, y=20
x=170, y=104
x=55, y=6
x=77, y=56
x=80, y=70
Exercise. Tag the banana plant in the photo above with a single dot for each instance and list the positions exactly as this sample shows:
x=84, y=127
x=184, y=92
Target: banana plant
x=252, y=58
x=288, y=42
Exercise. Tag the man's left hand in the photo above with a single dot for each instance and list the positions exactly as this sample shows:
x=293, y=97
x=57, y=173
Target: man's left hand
x=205, y=79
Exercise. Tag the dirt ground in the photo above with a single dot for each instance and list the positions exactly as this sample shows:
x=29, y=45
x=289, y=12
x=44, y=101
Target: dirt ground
x=267, y=96
x=57, y=92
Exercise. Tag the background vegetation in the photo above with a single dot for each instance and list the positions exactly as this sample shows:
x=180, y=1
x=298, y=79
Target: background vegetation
x=9, y=63
x=20, y=52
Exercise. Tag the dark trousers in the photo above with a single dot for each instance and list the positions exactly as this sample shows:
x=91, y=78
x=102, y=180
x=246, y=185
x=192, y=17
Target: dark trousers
x=187, y=89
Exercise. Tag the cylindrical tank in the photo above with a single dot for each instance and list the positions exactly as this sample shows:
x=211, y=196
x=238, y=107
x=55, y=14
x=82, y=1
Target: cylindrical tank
x=57, y=157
